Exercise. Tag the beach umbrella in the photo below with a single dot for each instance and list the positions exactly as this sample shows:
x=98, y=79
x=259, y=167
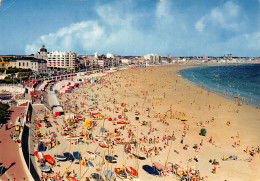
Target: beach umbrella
x=203, y=131
x=87, y=122
x=183, y=119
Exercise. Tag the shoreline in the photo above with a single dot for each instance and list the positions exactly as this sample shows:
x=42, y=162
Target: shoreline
x=213, y=89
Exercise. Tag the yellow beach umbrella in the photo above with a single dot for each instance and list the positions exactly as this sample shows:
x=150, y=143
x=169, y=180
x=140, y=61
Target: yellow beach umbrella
x=183, y=119
x=87, y=122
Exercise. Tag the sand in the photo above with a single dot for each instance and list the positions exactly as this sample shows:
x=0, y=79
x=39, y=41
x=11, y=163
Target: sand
x=168, y=98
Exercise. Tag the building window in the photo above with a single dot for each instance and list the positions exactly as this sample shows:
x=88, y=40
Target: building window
x=23, y=64
x=27, y=64
x=19, y=64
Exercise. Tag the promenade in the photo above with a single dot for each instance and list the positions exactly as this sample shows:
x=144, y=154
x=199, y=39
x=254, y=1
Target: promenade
x=9, y=149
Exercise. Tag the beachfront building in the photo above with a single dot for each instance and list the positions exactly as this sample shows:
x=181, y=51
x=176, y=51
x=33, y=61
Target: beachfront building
x=5, y=60
x=64, y=60
x=4, y=65
x=102, y=61
x=111, y=55
x=42, y=54
x=153, y=58
x=36, y=65
x=126, y=61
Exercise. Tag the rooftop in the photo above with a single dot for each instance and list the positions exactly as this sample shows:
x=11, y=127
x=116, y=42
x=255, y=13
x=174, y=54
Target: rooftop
x=32, y=59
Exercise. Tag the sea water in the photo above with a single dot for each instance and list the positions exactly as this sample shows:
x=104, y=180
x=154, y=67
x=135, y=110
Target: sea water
x=237, y=82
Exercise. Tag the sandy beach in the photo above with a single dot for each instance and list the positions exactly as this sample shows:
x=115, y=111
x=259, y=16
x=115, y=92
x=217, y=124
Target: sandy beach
x=153, y=100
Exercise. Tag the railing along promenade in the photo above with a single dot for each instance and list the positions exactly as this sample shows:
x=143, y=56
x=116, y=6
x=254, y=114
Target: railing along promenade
x=65, y=76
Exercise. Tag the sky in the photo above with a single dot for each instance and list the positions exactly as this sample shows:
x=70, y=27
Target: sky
x=131, y=27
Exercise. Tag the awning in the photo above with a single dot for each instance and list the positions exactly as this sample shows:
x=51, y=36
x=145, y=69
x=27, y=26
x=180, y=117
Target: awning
x=53, y=99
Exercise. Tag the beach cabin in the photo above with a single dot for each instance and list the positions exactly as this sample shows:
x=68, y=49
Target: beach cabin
x=57, y=111
x=55, y=105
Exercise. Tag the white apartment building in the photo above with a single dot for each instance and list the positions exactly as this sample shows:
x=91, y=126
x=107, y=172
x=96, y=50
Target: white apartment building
x=125, y=61
x=66, y=60
x=37, y=65
x=153, y=58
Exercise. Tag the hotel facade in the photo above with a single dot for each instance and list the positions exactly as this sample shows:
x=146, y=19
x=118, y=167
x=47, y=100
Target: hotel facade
x=64, y=60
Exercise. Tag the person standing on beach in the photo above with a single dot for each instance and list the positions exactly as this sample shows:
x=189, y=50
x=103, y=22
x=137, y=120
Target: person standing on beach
x=201, y=143
x=67, y=170
x=196, y=158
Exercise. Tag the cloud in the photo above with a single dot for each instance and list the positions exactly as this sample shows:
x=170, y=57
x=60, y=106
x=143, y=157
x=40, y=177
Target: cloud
x=162, y=29
x=252, y=40
x=227, y=17
x=0, y=2
x=242, y=44
x=83, y=34
x=114, y=31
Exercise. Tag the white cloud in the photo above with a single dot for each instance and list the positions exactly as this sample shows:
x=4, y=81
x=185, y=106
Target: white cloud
x=253, y=41
x=83, y=35
x=162, y=9
x=227, y=17
x=115, y=31
x=200, y=25
x=168, y=31
x=0, y=2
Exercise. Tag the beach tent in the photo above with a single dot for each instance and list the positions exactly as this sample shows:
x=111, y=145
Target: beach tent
x=41, y=147
x=53, y=99
x=69, y=116
x=79, y=117
x=87, y=122
x=203, y=132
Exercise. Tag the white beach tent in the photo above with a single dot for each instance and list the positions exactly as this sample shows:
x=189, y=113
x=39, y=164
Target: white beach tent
x=53, y=99
x=69, y=116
